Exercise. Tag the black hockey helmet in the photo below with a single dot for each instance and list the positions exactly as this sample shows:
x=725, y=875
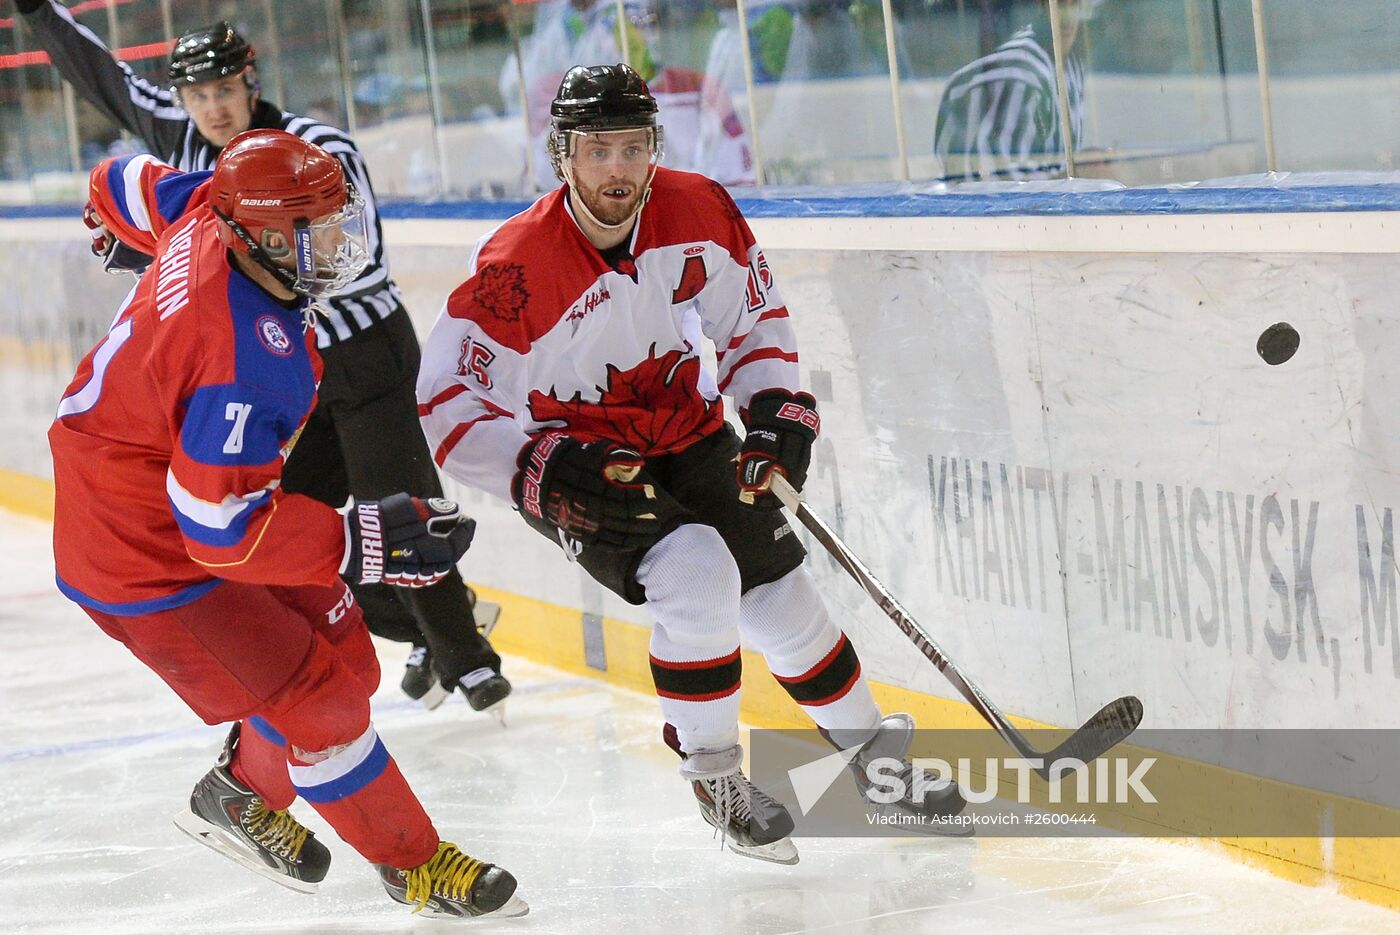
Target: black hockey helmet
x=602, y=97
x=208, y=54
x=597, y=99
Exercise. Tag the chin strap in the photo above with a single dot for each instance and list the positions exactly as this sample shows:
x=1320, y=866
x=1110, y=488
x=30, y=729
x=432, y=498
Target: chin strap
x=260, y=256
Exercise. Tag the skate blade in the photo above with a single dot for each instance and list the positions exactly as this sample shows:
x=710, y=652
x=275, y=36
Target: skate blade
x=514, y=908
x=782, y=851
x=220, y=841
x=434, y=697
x=487, y=614
x=498, y=711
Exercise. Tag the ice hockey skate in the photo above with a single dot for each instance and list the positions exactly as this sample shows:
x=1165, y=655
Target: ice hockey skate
x=453, y=885
x=926, y=804
x=483, y=688
x=486, y=688
x=232, y=819
x=751, y=823
x=421, y=682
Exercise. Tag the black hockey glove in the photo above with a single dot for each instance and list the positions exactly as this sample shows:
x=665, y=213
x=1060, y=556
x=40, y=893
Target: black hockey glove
x=781, y=428
x=597, y=493
x=29, y=6
x=404, y=541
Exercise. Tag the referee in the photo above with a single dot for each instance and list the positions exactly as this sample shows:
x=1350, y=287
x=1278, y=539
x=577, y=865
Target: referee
x=363, y=439
x=999, y=116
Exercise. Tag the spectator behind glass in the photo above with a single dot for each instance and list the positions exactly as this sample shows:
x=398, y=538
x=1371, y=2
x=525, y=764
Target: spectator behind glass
x=703, y=131
x=999, y=116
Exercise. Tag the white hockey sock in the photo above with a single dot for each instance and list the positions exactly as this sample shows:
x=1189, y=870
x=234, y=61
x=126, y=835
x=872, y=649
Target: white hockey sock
x=789, y=623
x=692, y=587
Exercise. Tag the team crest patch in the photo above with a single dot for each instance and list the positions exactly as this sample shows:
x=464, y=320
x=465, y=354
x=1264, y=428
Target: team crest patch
x=273, y=336
x=500, y=290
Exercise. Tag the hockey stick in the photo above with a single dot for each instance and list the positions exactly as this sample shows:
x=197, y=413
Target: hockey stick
x=1110, y=727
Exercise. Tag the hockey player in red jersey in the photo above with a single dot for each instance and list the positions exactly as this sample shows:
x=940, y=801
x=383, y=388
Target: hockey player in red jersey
x=172, y=532
x=565, y=376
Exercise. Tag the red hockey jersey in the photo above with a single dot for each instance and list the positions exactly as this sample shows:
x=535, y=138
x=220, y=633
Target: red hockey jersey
x=169, y=442
x=546, y=334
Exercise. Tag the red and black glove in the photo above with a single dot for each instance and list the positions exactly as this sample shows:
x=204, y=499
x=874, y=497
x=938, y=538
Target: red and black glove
x=597, y=493
x=781, y=428
x=404, y=541
x=116, y=256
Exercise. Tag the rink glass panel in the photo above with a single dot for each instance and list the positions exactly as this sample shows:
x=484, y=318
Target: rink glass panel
x=388, y=95
x=480, y=130
x=431, y=89
x=821, y=92
x=940, y=47
x=1334, y=111
x=97, y=136
x=1171, y=91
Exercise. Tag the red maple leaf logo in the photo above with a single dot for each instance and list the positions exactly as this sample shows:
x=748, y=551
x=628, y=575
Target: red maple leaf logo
x=500, y=290
x=726, y=201
x=654, y=408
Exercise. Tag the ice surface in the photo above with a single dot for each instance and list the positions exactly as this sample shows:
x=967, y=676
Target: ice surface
x=577, y=797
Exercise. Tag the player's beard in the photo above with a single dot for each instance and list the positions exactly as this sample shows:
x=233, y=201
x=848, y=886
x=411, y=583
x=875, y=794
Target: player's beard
x=613, y=210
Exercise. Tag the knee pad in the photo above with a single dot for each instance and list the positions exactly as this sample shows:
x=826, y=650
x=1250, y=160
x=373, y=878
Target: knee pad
x=692, y=586
x=788, y=622
x=324, y=705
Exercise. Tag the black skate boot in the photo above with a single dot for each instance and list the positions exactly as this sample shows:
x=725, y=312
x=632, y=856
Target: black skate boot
x=485, y=687
x=751, y=823
x=921, y=810
x=421, y=682
x=232, y=819
x=454, y=886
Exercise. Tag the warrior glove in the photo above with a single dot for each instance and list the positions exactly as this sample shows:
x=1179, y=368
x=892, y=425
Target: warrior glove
x=781, y=428
x=596, y=493
x=404, y=541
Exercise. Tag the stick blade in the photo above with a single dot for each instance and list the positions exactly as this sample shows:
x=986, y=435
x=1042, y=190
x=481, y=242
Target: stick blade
x=1101, y=733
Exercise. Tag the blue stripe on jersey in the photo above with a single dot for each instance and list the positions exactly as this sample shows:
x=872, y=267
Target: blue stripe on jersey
x=136, y=608
x=116, y=184
x=220, y=536
x=362, y=775
x=229, y=424
x=173, y=193
x=266, y=731
x=270, y=349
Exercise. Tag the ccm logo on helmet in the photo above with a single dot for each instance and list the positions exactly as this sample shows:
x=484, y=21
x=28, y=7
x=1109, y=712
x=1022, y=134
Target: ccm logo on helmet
x=261, y=202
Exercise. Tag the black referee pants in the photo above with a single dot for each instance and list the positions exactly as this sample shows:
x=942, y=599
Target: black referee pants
x=364, y=440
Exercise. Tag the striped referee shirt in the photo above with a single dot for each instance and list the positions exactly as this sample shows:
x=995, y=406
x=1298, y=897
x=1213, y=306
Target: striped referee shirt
x=999, y=111
x=154, y=114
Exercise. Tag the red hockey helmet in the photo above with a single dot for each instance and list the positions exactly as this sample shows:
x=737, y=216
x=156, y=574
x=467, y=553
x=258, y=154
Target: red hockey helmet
x=286, y=203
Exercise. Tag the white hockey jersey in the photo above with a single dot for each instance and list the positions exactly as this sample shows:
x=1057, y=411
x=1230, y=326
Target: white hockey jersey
x=546, y=334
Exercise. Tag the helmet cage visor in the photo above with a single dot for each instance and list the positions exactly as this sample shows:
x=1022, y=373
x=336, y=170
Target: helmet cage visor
x=328, y=253
x=331, y=251
x=568, y=149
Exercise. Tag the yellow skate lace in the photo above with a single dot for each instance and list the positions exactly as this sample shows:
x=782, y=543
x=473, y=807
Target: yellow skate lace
x=448, y=873
x=277, y=831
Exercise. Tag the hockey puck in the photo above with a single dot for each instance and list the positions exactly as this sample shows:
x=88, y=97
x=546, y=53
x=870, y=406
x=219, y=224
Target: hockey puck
x=1278, y=343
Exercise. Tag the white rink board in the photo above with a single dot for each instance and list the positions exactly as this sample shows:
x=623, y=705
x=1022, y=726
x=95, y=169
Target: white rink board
x=1177, y=519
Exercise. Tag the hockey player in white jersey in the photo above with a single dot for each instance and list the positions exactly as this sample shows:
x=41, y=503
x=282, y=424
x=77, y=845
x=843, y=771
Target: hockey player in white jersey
x=565, y=376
